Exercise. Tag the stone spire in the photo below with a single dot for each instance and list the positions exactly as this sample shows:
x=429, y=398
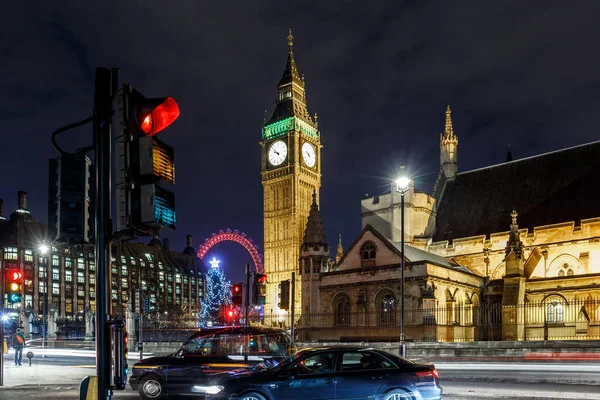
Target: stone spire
x=340, y=250
x=314, y=234
x=448, y=148
x=291, y=96
x=514, y=244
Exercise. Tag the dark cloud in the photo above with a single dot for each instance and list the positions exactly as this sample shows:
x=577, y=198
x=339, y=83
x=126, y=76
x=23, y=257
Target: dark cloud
x=379, y=74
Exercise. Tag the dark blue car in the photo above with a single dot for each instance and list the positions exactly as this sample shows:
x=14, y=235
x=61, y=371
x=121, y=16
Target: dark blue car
x=330, y=373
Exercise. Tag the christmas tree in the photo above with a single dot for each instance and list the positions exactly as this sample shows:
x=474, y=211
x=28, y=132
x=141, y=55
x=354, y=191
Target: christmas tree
x=218, y=292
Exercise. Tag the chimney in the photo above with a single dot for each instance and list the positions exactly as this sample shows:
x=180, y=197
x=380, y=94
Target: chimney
x=166, y=244
x=188, y=237
x=1, y=209
x=22, y=200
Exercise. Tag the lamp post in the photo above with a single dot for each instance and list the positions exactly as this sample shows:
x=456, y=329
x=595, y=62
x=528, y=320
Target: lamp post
x=402, y=184
x=43, y=251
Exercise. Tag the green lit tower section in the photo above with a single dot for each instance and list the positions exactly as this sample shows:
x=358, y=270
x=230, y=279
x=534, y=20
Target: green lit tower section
x=291, y=173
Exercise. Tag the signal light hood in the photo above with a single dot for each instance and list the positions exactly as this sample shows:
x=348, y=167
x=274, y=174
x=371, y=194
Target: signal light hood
x=157, y=114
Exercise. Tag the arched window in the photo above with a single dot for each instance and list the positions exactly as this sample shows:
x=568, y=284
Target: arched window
x=555, y=312
x=367, y=254
x=386, y=308
x=342, y=310
x=566, y=270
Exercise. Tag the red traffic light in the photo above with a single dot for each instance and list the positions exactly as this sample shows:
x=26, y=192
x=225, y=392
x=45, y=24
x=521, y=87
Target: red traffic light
x=14, y=275
x=157, y=114
x=230, y=313
x=236, y=288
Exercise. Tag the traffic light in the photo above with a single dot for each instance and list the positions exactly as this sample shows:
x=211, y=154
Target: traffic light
x=236, y=294
x=120, y=353
x=259, y=290
x=14, y=285
x=144, y=161
x=284, y=301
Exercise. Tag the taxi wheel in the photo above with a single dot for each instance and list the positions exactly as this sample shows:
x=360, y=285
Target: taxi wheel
x=252, y=396
x=151, y=388
x=398, y=395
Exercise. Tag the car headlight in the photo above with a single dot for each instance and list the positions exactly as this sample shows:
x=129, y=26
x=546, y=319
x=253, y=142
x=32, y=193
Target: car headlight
x=208, y=389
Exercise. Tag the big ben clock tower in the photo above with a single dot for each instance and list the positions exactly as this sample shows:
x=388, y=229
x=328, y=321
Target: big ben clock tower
x=291, y=173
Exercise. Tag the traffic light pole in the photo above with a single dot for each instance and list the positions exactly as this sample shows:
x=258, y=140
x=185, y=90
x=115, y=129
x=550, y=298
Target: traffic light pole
x=103, y=94
x=293, y=305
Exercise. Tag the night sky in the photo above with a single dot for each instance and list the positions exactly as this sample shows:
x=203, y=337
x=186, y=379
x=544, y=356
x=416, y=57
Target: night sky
x=379, y=74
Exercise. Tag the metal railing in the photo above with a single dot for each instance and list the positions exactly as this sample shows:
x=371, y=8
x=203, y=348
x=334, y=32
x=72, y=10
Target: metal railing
x=549, y=320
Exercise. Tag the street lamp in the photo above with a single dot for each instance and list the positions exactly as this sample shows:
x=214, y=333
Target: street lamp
x=402, y=184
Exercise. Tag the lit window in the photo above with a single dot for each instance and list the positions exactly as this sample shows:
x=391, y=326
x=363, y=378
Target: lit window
x=386, y=305
x=55, y=274
x=41, y=287
x=555, y=313
x=69, y=306
x=68, y=262
x=92, y=279
x=28, y=256
x=80, y=292
x=177, y=278
x=10, y=253
x=55, y=288
x=55, y=260
x=68, y=276
x=80, y=277
x=80, y=263
x=92, y=266
x=124, y=282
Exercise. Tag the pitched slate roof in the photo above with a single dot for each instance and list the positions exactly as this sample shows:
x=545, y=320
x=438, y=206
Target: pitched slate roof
x=411, y=254
x=550, y=188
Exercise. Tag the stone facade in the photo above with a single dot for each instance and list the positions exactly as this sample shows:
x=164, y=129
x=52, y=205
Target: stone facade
x=472, y=273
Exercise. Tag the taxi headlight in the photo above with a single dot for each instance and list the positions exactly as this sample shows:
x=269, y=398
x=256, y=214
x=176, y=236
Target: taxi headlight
x=208, y=389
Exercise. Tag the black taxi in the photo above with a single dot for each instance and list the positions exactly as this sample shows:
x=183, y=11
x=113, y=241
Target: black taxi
x=207, y=352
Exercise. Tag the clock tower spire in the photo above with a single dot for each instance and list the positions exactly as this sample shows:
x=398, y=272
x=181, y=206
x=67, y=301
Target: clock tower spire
x=291, y=174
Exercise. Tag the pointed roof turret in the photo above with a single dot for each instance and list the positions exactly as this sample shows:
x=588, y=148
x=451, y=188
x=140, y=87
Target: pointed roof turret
x=514, y=244
x=291, y=97
x=314, y=234
x=340, y=250
x=448, y=130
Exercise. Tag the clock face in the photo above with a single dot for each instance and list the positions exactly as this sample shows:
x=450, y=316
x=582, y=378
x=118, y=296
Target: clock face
x=277, y=153
x=308, y=154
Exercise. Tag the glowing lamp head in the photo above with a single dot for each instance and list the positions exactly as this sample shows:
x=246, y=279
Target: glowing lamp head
x=402, y=184
x=4, y=318
x=44, y=249
x=158, y=114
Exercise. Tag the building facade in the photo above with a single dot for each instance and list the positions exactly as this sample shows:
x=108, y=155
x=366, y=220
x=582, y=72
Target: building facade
x=506, y=252
x=61, y=283
x=291, y=175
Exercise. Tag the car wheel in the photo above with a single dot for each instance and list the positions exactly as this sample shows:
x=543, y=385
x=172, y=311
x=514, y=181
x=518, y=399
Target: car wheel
x=252, y=396
x=397, y=394
x=151, y=388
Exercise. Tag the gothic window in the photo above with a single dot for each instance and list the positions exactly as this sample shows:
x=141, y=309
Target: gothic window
x=367, y=254
x=555, y=312
x=566, y=270
x=386, y=308
x=342, y=310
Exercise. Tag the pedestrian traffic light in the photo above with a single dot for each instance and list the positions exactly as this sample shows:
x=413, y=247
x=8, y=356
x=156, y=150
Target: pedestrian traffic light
x=144, y=161
x=284, y=302
x=259, y=291
x=14, y=285
x=236, y=294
